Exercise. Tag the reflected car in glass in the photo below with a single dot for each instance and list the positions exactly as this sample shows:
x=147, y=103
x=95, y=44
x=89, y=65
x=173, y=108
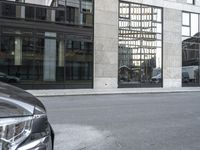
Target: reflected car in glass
x=185, y=77
x=156, y=79
x=23, y=121
x=8, y=79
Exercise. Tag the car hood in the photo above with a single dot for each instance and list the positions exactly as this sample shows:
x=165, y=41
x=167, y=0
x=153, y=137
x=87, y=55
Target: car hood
x=15, y=102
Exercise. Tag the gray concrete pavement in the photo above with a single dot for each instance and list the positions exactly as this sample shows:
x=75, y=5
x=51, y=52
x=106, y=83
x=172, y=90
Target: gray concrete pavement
x=168, y=121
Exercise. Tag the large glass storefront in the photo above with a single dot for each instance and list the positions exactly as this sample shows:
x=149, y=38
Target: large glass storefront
x=190, y=49
x=140, y=45
x=34, y=58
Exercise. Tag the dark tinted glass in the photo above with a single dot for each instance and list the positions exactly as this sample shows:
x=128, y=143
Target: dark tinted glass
x=79, y=61
x=29, y=12
x=41, y=13
x=35, y=58
x=43, y=60
x=8, y=10
x=60, y=15
x=70, y=14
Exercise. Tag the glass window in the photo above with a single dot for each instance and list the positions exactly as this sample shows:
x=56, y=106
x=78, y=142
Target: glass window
x=191, y=51
x=17, y=58
x=140, y=46
x=70, y=14
x=186, y=31
x=43, y=60
x=8, y=10
x=26, y=71
x=60, y=16
x=87, y=12
x=194, y=24
x=29, y=12
x=79, y=61
x=76, y=45
x=87, y=6
x=41, y=13
x=186, y=19
x=39, y=60
x=157, y=16
x=124, y=10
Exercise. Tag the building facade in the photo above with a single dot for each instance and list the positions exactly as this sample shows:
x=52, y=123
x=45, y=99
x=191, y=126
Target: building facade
x=161, y=37
x=59, y=44
x=47, y=44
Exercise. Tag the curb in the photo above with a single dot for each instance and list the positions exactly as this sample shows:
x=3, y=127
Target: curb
x=81, y=92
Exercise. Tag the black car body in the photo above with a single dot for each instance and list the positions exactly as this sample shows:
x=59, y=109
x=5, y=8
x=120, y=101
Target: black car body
x=23, y=121
x=185, y=77
x=8, y=79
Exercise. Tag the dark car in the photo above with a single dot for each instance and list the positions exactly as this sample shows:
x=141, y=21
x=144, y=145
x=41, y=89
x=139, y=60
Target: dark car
x=23, y=121
x=156, y=79
x=185, y=77
x=8, y=79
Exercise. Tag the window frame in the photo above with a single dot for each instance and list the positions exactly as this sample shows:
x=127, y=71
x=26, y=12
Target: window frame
x=139, y=85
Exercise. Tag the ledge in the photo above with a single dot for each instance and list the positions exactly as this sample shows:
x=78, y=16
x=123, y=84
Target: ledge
x=75, y=92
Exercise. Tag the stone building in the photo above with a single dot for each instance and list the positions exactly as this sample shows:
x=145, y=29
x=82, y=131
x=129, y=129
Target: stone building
x=59, y=44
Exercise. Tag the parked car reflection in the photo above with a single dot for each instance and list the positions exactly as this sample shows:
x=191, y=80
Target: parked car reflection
x=8, y=79
x=156, y=79
x=185, y=77
x=190, y=68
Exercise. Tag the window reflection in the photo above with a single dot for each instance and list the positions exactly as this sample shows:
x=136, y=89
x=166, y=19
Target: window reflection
x=8, y=10
x=70, y=14
x=60, y=11
x=60, y=16
x=140, y=45
x=191, y=51
x=41, y=13
x=42, y=59
x=45, y=60
x=79, y=61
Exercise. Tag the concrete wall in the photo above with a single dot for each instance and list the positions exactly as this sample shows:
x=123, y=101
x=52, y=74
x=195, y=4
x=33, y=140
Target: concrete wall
x=172, y=48
x=106, y=44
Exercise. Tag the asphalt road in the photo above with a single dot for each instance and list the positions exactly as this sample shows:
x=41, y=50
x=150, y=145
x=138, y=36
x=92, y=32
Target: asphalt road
x=126, y=122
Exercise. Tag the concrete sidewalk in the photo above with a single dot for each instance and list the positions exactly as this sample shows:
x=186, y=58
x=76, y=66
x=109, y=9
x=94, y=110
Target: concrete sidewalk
x=72, y=92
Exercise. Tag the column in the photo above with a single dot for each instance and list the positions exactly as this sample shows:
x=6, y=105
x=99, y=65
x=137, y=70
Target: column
x=106, y=44
x=49, y=71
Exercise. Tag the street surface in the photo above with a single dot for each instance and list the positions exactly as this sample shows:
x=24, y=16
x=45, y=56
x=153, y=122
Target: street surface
x=126, y=122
